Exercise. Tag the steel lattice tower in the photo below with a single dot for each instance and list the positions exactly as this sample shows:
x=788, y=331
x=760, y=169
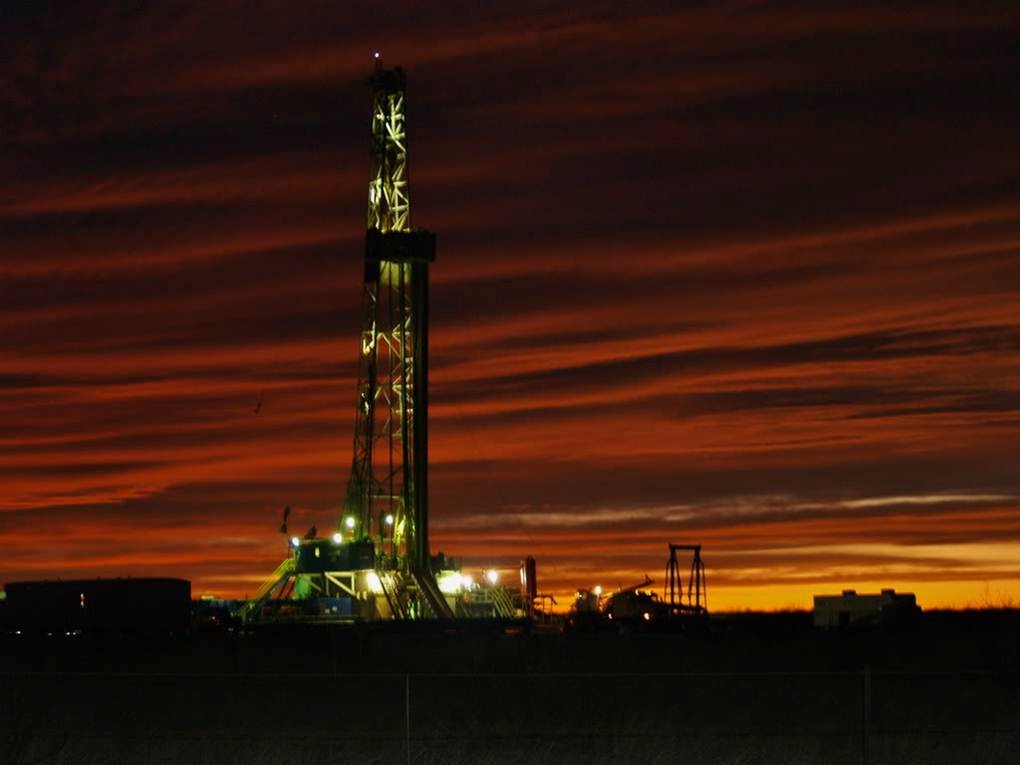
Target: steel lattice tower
x=387, y=494
x=377, y=565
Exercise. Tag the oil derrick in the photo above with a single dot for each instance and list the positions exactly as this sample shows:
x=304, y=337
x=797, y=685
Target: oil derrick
x=377, y=564
x=387, y=495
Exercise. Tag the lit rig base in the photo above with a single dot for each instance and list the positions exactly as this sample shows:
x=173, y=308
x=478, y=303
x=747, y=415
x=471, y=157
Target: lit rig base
x=329, y=580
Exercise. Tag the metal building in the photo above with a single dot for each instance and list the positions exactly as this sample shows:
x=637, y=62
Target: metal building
x=849, y=608
x=143, y=605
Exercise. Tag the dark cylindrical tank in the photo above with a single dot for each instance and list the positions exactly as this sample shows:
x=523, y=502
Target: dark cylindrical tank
x=529, y=577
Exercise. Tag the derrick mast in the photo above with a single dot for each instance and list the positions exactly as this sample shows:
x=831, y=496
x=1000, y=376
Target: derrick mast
x=387, y=494
x=377, y=564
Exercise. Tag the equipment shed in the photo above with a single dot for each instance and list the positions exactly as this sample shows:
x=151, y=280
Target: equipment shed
x=849, y=608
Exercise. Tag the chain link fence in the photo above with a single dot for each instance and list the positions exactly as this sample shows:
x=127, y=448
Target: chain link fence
x=854, y=717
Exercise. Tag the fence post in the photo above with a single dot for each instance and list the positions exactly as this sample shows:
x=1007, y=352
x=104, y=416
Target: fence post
x=407, y=715
x=866, y=727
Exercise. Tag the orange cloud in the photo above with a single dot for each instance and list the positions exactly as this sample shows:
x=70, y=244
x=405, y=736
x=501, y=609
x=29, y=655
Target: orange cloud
x=701, y=278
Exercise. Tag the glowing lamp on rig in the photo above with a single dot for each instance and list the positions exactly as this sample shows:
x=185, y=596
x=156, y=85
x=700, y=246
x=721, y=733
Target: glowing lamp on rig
x=349, y=522
x=449, y=582
x=374, y=583
x=492, y=576
x=337, y=537
x=295, y=542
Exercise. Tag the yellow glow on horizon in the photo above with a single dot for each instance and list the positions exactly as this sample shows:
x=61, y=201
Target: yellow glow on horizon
x=951, y=595
x=930, y=595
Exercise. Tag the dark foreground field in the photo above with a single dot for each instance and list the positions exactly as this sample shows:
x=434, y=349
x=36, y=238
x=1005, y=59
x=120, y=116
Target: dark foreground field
x=751, y=690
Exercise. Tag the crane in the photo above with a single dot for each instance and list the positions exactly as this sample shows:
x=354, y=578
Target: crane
x=696, y=601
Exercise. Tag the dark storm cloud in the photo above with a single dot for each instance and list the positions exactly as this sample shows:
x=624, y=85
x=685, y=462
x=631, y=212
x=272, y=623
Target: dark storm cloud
x=889, y=346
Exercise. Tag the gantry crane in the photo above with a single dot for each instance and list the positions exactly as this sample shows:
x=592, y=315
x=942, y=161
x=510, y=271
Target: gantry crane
x=696, y=601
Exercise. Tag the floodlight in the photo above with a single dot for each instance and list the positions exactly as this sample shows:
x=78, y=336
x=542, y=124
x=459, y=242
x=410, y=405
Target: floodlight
x=450, y=582
x=374, y=583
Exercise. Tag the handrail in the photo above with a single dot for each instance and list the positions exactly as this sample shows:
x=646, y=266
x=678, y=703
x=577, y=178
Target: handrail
x=277, y=578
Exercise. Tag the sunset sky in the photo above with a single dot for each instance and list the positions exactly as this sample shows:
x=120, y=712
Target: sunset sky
x=740, y=274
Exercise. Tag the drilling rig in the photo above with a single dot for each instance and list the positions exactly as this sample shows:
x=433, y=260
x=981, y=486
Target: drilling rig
x=376, y=564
